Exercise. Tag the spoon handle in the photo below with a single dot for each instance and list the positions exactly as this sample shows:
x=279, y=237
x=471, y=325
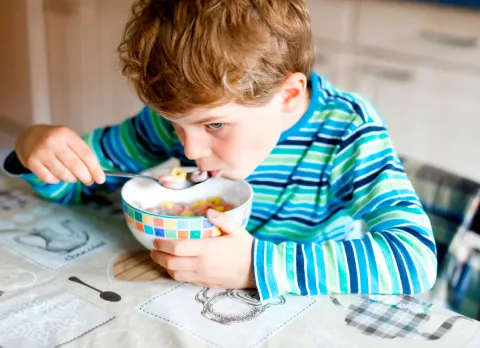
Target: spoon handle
x=128, y=175
x=76, y=280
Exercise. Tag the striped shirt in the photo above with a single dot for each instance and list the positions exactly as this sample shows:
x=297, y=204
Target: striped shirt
x=332, y=171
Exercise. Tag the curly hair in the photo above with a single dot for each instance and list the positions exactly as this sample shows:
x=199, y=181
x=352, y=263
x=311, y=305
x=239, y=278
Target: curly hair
x=184, y=54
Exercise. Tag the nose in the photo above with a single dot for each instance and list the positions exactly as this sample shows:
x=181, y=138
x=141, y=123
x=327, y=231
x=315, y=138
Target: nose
x=196, y=146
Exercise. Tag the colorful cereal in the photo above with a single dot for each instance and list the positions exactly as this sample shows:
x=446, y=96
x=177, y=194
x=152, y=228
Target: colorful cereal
x=197, y=208
x=178, y=176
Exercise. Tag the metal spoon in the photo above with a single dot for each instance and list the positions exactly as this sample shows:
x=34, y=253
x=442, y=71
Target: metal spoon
x=178, y=186
x=105, y=295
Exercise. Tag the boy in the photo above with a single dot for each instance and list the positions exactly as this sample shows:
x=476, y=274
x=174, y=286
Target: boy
x=229, y=86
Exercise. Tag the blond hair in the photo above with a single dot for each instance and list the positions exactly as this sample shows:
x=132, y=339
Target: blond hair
x=184, y=54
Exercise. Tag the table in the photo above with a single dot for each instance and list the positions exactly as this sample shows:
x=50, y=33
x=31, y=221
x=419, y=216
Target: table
x=45, y=247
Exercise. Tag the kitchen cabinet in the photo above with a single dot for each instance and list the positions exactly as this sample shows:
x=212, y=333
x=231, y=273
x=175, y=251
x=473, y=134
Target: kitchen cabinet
x=332, y=20
x=418, y=64
x=332, y=62
x=432, y=115
x=86, y=87
x=420, y=30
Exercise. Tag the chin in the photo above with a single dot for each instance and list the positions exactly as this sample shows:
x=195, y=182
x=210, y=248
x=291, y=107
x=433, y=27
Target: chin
x=235, y=175
x=230, y=176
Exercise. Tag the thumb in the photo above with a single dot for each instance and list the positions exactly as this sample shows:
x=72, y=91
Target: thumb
x=224, y=222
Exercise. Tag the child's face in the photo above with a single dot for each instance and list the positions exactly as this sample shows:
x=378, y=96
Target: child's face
x=235, y=139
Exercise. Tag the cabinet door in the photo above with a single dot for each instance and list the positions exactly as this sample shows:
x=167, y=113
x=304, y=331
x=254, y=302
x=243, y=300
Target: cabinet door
x=432, y=115
x=332, y=62
x=119, y=100
x=86, y=86
x=332, y=19
x=326, y=62
x=437, y=32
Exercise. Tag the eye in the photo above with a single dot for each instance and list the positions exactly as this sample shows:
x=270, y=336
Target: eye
x=216, y=126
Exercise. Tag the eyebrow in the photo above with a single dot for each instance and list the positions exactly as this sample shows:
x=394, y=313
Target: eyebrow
x=211, y=119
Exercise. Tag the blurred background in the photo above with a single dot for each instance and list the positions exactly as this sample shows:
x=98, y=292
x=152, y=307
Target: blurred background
x=417, y=62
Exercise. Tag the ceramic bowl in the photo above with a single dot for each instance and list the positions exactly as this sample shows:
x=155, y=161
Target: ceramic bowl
x=146, y=226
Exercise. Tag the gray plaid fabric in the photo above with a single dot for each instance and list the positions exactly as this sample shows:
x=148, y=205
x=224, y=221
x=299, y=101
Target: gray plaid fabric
x=452, y=204
x=446, y=199
x=462, y=277
x=388, y=321
x=460, y=274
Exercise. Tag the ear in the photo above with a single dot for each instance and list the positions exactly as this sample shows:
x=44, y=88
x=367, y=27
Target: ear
x=292, y=92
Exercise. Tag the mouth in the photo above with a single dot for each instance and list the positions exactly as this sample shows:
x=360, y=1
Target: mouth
x=214, y=173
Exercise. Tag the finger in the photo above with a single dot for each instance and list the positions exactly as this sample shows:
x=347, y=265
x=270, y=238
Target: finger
x=75, y=165
x=42, y=172
x=192, y=247
x=58, y=169
x=86, y=154
x=183, y=276
x=174, y=263
x=224, y=222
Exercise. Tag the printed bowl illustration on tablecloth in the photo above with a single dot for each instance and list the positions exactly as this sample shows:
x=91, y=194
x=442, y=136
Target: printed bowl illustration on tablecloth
x=20, y=207
x=146, y=226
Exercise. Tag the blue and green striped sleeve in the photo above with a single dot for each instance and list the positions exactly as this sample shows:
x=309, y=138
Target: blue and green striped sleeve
x=140, y=142
x=397, y=254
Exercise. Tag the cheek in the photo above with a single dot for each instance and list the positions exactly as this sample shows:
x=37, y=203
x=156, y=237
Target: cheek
x=264, y=134
x=255, y=145
x=229, y=149
x=180, y=133
x=248, y=143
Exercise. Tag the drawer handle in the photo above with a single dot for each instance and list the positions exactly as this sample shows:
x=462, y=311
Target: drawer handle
x=449, y=39
x=398, y=75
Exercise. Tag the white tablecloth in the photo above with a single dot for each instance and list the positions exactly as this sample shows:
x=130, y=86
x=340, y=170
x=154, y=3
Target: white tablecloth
x=44, y=244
